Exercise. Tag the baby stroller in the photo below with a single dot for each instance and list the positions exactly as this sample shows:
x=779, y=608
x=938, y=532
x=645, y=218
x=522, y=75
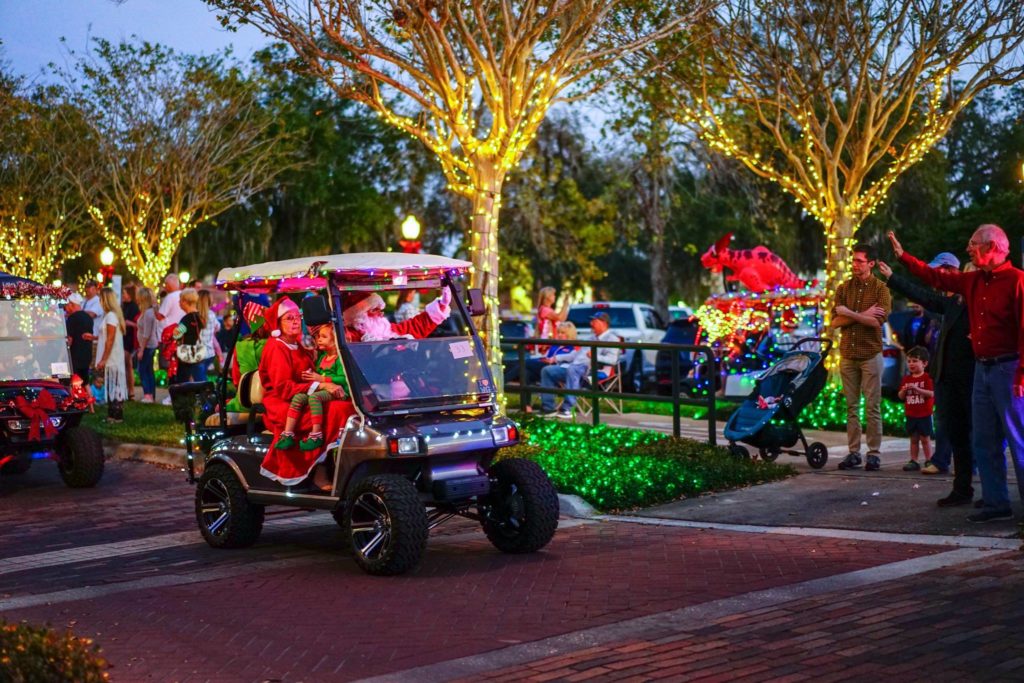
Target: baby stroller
x=767, y=419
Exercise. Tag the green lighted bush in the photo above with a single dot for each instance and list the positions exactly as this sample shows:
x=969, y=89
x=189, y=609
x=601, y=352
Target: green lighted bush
x=29, y=654
x=613, y=468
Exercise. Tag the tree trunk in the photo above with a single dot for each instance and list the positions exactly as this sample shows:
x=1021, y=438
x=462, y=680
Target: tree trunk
x=839, y=241
x=659, y=275
x=486, y=202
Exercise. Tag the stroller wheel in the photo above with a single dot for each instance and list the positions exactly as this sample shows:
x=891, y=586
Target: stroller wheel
x=769, y=454
x=739, y=452
x=817, y=455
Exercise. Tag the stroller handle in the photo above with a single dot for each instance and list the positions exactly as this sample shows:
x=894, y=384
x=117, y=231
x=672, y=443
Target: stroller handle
x=819, y=340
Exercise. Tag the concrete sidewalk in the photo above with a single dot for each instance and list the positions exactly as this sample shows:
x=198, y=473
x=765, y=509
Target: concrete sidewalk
x=887, y=501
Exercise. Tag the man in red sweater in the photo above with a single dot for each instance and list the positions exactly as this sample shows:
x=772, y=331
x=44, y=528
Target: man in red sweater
x=994, y=294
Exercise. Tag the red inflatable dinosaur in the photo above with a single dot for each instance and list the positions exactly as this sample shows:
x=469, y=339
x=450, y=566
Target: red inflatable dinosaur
x=757, y=269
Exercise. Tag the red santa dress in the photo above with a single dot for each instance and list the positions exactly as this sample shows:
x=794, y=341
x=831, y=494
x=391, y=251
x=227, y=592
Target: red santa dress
x=281, y=368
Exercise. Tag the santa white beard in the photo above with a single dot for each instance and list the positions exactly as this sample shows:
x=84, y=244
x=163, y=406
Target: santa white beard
x=374, y=328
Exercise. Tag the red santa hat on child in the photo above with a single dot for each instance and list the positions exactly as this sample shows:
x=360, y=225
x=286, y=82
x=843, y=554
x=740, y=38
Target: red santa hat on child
x=361, y=303
x=281, y=307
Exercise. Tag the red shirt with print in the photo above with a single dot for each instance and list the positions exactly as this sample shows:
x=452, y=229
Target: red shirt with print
x=916, y=404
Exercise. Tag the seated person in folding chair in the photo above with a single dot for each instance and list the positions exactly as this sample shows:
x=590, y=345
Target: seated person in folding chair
x=572, y=368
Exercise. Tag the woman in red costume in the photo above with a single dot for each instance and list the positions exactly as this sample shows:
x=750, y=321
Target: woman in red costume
x=283, y=361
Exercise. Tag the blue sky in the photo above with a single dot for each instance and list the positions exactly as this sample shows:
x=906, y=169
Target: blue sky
x=30, y=30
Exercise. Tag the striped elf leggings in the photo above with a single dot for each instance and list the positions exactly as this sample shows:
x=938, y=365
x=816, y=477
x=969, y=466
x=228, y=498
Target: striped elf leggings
x=315, y=401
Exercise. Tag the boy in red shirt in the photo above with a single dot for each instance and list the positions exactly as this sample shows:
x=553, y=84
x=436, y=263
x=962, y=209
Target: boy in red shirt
x=918, y=392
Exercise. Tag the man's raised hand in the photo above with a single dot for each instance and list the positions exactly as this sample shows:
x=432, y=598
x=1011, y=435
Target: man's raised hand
x=884, y=269
x=896, y=246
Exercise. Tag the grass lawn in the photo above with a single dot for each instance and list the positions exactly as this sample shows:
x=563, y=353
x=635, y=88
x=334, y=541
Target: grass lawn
x=145, y=423
x=614, y=468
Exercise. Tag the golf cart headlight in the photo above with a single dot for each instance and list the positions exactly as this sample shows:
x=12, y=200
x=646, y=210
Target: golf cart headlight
x=505, y=434
x=404, y=445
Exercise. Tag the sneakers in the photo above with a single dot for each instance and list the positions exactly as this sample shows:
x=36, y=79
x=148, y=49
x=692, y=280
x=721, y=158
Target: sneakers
x=874, y=463
x=912, y=466
x=930, y=468
x=989, y=515
x=564, y=414
x=954, y=499
x=850, y=462
x=548, y=413
x=166, y=401
x=147, y=399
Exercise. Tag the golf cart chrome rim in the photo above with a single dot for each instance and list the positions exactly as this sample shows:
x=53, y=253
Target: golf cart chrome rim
x=215, y=506
x=371, y=525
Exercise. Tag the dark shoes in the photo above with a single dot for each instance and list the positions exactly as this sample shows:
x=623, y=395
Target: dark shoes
x=990, y=515
x=850, y=462
x=874, y=463
x=954, y=499
x=912, y=466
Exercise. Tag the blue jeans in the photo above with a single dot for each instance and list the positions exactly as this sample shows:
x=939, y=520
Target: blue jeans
x=998, y=417
x=570, y=376
x=146, y=375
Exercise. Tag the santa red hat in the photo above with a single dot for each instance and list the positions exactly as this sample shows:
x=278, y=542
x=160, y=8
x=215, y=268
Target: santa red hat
x=281, y=307
x=360, y=303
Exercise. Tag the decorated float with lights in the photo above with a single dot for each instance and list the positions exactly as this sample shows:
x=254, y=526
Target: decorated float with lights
x=40, y=410
x=406, y=459
x=754, y=327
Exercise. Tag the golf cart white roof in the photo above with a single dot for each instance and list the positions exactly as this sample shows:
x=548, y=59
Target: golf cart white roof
x=366, y=266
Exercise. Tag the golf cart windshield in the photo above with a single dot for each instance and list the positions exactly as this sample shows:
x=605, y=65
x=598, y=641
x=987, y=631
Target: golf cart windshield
x=33, y=340
x=407, y=373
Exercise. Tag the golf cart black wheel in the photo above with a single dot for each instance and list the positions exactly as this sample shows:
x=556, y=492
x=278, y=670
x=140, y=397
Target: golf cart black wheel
x=339, y=516
x=739, y=452
x=817, y=455
x=19, y=465
x=225, y=516
x=520, y=515
x=387, y=525
x=80, y=457
x=769, y=454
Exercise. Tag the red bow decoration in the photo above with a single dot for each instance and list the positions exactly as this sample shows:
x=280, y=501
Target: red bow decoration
x=38, y=411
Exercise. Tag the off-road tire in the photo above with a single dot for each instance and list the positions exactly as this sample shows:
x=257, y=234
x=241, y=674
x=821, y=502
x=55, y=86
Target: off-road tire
x=80, y=457
x=521, y=513
x=224, y=514
x=386, y=525
x=19, y=465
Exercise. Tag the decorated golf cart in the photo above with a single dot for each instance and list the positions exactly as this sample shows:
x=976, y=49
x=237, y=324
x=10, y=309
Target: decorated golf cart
x=40, y=414
x=420, y=427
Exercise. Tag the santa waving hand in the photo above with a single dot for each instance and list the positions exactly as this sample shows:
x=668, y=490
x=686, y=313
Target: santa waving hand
x=365, y=321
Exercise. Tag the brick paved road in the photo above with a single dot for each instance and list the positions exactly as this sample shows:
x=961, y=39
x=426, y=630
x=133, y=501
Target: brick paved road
x=294, y=608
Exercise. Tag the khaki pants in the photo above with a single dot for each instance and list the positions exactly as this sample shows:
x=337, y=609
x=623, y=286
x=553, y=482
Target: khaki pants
x=863, y=377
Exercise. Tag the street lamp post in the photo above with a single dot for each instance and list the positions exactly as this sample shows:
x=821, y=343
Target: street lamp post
x=410, y=241
x=106, y=265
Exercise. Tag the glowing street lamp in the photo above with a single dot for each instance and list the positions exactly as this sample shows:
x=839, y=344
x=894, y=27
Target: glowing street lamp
x=107, y=265
x=185, y=277
x=410, y=241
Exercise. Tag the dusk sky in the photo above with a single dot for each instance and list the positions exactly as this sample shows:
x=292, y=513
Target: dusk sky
x=30, y=30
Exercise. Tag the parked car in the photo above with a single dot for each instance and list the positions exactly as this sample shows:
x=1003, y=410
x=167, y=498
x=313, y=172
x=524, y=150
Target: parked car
x=678, y=313
x=634, y=322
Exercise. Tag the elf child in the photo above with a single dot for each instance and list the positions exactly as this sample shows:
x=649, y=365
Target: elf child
x=918, y=392
x=328, y=368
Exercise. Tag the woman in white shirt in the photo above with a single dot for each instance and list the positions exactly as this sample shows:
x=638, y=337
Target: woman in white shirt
x=110, y=355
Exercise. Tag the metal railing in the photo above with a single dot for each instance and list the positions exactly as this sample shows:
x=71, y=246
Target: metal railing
x=525, y=390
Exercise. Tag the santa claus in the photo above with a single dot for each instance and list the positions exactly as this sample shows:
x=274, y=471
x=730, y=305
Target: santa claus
x=365, y=321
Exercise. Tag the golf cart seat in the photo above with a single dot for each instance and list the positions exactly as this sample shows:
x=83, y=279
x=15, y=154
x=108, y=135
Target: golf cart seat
x=250, y=395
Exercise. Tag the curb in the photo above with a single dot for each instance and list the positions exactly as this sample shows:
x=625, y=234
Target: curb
x=137, y=452
x=574, y=506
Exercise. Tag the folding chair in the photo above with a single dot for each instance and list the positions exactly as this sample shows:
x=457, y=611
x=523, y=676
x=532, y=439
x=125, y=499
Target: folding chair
x=612, y=383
